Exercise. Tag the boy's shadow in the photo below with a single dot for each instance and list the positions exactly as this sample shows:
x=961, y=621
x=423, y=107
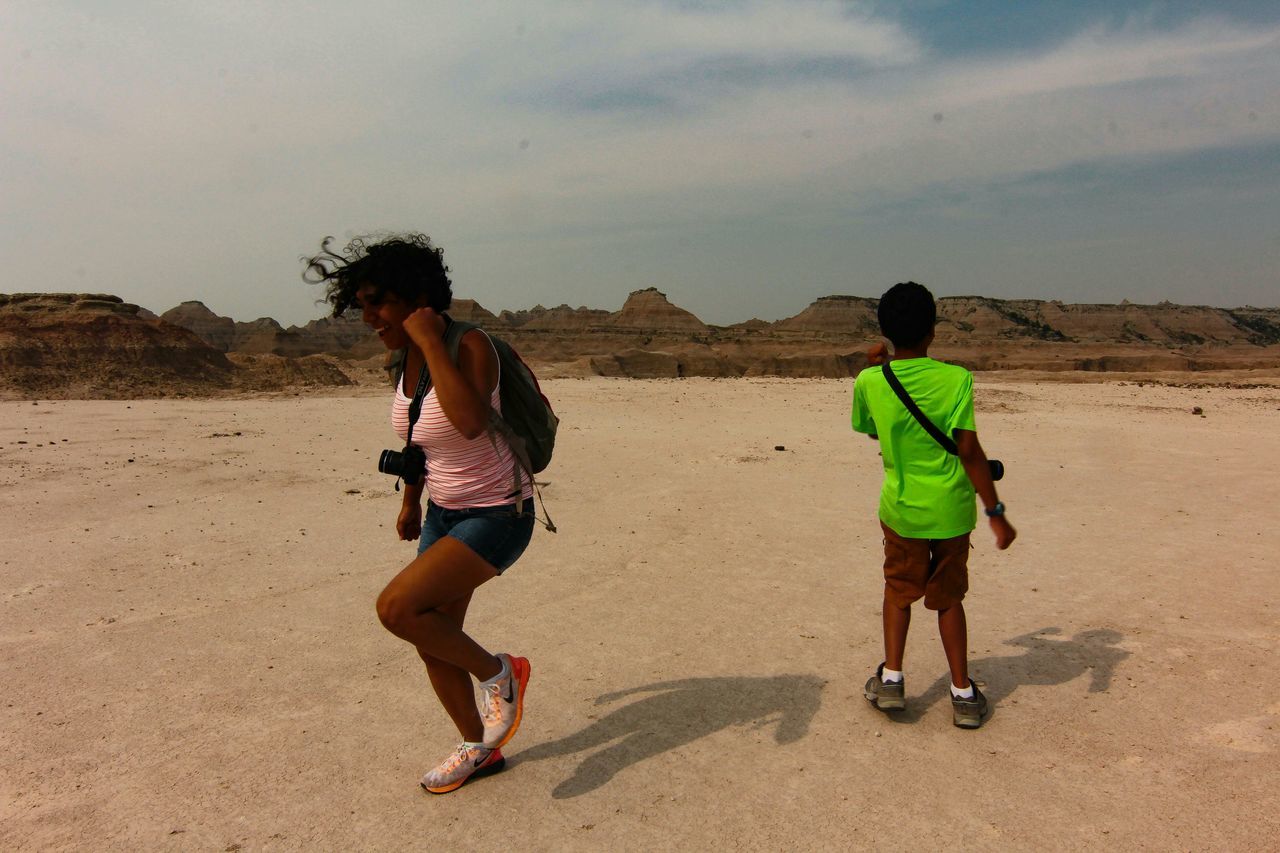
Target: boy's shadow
x=677, y=713
x=1045, y=662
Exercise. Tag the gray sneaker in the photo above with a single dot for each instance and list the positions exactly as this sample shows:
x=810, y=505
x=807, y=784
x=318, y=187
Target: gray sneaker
x=463, y=764
x=887, y=696
x=969, y=713
x=502, y=704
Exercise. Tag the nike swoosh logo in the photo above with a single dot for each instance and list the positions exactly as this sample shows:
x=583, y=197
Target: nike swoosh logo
x=481, y=760
x=511, y=693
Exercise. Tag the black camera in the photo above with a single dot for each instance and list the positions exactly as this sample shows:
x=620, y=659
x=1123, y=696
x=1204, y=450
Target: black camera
x=997, y=469
x=408, y=464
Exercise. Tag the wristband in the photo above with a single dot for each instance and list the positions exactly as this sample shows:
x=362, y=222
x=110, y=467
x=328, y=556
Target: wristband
x=996, y=510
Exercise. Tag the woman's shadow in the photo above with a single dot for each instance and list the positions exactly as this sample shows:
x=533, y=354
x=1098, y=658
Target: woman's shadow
x=1045, y=662
x=679, y=712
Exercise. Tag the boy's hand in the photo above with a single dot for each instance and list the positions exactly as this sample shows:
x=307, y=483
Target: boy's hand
x=1005, y=534
x=878, y=354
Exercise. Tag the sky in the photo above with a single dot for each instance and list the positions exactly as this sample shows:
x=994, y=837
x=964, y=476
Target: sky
x=745, y=158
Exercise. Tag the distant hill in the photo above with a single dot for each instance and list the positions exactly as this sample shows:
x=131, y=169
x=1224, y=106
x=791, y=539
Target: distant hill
x=648, y=312
x=80, y=345
x=650, y=336
x=53, y=344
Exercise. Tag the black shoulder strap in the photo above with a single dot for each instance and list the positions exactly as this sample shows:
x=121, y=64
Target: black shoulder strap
x=937, y=434
x=415, y=405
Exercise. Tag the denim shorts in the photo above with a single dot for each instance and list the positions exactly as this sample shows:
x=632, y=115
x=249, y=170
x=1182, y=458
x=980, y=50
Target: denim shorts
x=496, y=533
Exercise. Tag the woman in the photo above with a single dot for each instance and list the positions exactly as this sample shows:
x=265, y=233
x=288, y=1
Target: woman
x=471, y=532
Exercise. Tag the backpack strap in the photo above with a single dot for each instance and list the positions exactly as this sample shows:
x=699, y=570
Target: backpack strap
x=937, y=434
x=453, y=342
x=453, y=334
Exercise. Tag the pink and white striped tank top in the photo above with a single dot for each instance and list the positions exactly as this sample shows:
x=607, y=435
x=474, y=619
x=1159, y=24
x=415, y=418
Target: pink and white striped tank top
x=460, y=473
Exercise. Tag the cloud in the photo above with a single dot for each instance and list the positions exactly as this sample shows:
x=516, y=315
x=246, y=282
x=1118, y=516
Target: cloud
x=228, y=137
x=647, y=55
x=1105, y=94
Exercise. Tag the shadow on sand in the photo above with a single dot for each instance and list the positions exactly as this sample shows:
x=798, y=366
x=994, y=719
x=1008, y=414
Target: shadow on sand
x=676, y=713
x=1045, y=662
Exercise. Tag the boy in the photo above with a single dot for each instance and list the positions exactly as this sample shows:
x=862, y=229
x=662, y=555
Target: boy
x=927, y=506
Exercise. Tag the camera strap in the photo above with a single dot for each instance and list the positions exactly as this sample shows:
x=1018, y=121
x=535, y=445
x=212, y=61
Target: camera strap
x=937, y=434
x=415, y=405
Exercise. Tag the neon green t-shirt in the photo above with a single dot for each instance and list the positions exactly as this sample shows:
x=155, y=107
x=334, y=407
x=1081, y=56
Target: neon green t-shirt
x=926, y=493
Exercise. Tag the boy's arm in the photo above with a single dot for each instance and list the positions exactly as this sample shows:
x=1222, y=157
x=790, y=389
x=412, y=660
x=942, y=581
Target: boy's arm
x=974, y=459
x=877, y=355
x=861, y=416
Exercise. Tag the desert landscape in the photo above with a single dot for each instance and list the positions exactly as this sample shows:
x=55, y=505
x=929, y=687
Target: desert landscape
x=682, y=217
x=196, y=532
x=192, y=661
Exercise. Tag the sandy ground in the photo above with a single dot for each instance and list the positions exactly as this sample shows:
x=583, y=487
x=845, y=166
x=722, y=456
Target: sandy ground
x=190, y=660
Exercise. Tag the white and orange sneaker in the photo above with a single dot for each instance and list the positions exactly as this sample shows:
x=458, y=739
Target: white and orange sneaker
x=467, y=762
x=502, y=702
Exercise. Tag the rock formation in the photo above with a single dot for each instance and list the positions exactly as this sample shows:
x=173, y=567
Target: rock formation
x=843, y=317
x=651, y=337
x=269, y=372
x=263, y=335
x=562, y=318
x=95, y=345
x=1164, y=324
x=650, y=310
x=467, y=310
x=346, y=336
x=68, y=345
x=77, y=345
x=218, y=332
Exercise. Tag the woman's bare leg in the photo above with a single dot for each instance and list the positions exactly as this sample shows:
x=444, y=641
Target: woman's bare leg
x=410, y=606
x=453, y=685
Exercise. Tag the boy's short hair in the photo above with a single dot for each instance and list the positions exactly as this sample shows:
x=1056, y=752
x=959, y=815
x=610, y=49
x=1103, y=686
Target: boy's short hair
x=907, y=314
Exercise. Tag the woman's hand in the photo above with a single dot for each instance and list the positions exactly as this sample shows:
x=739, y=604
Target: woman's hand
x=409, y=524
x=424, y=325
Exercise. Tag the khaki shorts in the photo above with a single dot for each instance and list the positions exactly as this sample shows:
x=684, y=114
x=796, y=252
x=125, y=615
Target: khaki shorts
x=934, y=569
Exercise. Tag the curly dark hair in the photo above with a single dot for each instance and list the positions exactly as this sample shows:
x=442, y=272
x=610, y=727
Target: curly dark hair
x=907, y=314
x=407, y=265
